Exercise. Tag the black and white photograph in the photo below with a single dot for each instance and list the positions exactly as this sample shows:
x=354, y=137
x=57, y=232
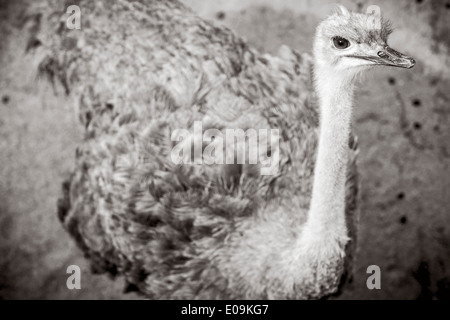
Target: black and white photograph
x=238, y=150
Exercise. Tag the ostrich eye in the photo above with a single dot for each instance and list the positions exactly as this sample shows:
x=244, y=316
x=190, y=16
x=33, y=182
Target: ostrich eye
x=341, y=43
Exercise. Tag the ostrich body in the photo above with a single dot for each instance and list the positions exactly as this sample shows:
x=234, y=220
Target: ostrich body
x=210, y=231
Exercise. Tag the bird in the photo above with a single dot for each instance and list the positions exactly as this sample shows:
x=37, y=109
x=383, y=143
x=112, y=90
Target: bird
x=141, y=70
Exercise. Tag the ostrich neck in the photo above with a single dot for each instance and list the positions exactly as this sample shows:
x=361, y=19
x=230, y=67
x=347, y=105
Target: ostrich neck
x=327, y=207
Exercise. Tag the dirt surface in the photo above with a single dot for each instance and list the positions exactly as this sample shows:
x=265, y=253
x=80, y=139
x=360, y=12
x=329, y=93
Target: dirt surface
x=402, y=119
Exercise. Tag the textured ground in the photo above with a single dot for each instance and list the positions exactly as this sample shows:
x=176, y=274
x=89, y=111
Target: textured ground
x=402, y=119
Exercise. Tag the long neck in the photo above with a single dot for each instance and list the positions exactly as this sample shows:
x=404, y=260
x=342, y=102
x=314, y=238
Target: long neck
x=327, y=208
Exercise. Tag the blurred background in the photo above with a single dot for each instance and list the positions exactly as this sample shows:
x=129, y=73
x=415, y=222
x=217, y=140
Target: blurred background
x=402, y=119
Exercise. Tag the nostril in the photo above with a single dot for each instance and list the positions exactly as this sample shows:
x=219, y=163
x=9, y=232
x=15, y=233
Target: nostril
x=382, y=54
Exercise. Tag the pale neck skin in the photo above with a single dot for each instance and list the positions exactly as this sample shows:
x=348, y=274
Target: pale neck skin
x=327, y=208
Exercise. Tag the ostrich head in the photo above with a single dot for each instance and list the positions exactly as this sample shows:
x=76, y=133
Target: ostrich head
x=348, y=43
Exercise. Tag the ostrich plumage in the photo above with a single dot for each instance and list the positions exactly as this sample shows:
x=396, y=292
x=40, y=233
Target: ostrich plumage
x=140, y=70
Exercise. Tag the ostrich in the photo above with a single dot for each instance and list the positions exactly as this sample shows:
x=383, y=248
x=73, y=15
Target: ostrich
x=140, y=70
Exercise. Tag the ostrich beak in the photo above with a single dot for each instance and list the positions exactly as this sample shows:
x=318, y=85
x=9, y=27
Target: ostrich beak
x=389, y=57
